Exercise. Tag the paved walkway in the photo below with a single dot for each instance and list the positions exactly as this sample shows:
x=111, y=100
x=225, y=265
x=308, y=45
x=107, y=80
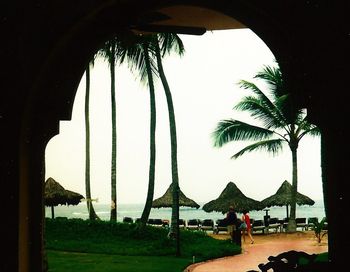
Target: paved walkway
x=265, y=245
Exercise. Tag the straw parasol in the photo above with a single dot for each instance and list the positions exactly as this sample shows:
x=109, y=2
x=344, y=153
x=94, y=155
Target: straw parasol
x=73, y=198
x=283, y=197
x=166, y=200
x=232, y=196
x=55, y=195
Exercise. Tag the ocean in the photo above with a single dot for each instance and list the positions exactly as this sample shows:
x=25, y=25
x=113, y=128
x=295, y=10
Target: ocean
x=135, y=210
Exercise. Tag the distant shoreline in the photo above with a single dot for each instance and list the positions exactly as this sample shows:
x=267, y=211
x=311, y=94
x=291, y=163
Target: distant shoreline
x=135, y=210
x=200, y=203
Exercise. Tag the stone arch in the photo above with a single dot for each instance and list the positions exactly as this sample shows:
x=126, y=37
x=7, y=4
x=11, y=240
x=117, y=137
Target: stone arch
x=56, y=34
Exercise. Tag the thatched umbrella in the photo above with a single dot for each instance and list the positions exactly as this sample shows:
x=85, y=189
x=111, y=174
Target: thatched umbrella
x=232, y=196
x=55, y=195
x=167, y=200
x=73, y=198
x=283, y=197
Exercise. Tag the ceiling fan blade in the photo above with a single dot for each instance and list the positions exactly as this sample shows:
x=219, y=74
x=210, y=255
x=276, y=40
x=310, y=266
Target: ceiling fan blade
x=172, y=29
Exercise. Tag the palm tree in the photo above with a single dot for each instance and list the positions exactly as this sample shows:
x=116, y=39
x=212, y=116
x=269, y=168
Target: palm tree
x=166, y=43
x=152, y=162
x=157, y=46
x=110, y=52
x=92, y=214
x=139, y=55
x=282, y=123
x=117, y=49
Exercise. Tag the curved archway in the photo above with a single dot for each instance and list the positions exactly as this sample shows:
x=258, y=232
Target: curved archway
x=74, y=32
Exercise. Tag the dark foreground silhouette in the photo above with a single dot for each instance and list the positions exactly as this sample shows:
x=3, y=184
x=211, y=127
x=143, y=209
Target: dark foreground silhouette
x=290, y=261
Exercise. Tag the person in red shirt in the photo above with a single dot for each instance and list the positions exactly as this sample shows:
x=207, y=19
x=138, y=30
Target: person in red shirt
x=248, y=228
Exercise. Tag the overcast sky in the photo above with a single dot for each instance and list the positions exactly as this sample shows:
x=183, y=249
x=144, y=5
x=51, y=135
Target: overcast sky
x=204, y=87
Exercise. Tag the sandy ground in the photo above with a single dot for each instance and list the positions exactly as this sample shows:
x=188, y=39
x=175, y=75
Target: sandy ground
x=265, y=245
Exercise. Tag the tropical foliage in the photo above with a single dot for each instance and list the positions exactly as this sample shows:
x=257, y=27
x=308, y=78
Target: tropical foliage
x=319, y=229
x=281, y=122
x=144, y=54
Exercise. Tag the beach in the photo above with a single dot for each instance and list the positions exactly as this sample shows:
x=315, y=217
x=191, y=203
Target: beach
x=265, y=245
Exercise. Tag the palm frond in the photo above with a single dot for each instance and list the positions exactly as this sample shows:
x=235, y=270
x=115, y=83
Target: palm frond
x=170, y=42
x=291, y=113
x=273, y=146
x=281, y=97
x=272, y=76
x=263, y=98
x=312, y=130
x=135, y=56
x=105, y=51
x=258, y=110
x=305, y=127
x=301, y=115
x=234, y=130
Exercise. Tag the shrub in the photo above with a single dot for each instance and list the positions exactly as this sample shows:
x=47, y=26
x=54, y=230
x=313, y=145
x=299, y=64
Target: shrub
x=319, y=230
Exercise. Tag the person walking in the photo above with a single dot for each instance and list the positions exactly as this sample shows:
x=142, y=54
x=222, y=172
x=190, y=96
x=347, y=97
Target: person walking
x=231, y=220
x=246, y=227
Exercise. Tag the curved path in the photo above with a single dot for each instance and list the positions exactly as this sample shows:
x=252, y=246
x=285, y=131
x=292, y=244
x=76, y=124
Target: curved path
x=265, y=245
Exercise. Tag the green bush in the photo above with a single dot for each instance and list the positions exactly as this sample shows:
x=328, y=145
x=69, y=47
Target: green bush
x=319, y=229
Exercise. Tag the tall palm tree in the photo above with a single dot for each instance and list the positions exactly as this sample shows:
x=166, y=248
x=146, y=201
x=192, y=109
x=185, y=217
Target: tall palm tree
x=152, y=163
x=282, y=122
x=167, y=43
x=110, y=52
x=117, y=49
x=92, y=213
x=139, y=55
x=156, y=46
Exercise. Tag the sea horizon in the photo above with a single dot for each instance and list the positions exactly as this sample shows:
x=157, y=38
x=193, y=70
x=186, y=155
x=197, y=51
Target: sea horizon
x=134, y=210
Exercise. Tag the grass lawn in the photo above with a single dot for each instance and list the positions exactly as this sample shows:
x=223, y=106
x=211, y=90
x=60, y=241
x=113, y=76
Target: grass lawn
x=61, y=261
x=83, y=245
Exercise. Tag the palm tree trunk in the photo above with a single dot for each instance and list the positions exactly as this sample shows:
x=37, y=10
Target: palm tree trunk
x=291, y=222
x=151, y=173
x=174, y=229
x=92, y=214
x=324, y=176
x=114, y=138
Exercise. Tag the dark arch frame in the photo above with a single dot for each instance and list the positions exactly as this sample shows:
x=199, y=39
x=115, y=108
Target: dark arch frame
x=40, y=80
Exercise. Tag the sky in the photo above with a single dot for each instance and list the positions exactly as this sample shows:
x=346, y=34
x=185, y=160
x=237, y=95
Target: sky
x=204, y=87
